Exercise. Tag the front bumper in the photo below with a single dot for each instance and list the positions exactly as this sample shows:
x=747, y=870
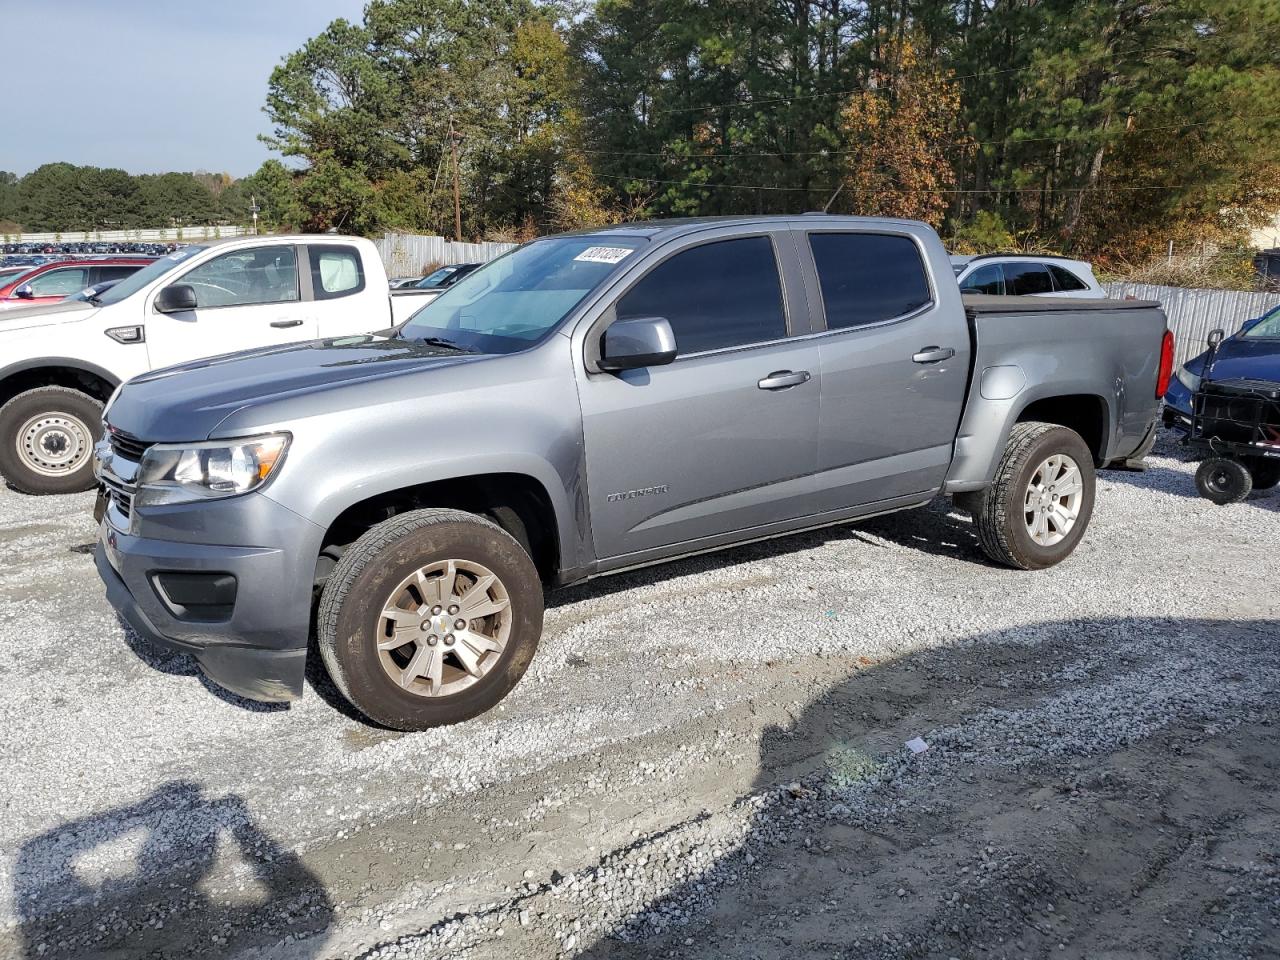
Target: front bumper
x=257, y=648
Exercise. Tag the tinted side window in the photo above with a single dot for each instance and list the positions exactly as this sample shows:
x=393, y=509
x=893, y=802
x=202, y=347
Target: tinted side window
x=335, y=271
x=722, y=294
x=1064, y=279
x=245, y=277
x=988, y=279
x=1024, y=279
x=868, y=277
x=103, y=274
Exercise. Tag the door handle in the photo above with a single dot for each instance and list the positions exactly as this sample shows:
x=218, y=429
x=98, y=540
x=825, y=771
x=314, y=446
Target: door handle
x=933, y=354
x=781, y=379
x=286, y=323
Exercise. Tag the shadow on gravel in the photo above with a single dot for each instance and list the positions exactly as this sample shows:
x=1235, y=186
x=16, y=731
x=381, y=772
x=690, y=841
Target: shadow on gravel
x=181, y=665
x=928, y=529
x=1163, y=480
x=1091, y=788
x=73, y=901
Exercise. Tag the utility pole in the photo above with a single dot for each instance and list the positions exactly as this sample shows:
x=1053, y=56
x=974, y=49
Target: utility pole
x=454, y=137
x=254, y=208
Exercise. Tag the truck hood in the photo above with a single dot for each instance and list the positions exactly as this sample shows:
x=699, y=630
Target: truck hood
x=186, y=402
x=1249, y=358
x=44, y=314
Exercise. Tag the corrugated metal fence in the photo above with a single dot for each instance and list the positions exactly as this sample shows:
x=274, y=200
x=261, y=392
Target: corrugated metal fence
x=406, y=254
x=1193, y=313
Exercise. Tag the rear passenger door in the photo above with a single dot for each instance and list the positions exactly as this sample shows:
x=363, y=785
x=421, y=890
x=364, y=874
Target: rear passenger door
x=723, y=440
x=1027, y=280
x=894, y=363
x=336, y=275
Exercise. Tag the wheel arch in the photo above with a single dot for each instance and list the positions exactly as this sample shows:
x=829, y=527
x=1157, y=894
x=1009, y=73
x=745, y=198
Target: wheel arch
x=75, y=374
x=1088, y=414
x=519, y=503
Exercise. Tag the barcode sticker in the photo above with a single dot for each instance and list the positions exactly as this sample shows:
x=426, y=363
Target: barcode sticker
x=603, y=254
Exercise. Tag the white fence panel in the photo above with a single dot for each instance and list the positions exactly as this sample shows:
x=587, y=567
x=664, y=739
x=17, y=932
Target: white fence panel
x=159, y=234
x=1194, y=312
x=407, y=254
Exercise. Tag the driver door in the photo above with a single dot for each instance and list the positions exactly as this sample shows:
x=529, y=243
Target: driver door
x=246, y=298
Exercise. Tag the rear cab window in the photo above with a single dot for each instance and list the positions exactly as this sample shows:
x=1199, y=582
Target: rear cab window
x=717, y=295
x=868, y=278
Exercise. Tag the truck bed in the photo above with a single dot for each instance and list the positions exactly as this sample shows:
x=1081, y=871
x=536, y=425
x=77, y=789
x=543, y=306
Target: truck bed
x=1026, y=348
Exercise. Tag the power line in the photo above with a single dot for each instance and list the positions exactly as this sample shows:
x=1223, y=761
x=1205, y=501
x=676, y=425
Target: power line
x=948, y=191
x=958, y=142
x=811, y=96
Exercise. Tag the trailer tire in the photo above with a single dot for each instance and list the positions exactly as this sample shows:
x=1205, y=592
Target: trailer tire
x=1031, y=525
x=1223, y=481
x=46, y=440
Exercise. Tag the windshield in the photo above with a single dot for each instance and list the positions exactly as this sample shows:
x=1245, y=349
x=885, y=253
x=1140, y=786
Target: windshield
x=436, y=278
x=136, y=281
x=1268, y=328
x=516, y=300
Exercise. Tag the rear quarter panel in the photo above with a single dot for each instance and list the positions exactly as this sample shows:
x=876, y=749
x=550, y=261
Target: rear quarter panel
x=1112, y=354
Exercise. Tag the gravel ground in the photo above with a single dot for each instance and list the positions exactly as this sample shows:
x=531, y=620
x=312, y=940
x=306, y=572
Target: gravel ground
x=679, y=775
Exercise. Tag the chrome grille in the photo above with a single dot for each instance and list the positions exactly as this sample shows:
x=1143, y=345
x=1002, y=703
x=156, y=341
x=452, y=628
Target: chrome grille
x=131, y=448
x=121, y=496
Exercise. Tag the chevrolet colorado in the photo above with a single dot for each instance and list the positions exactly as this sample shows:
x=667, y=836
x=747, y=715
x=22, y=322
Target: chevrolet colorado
x=585, y=404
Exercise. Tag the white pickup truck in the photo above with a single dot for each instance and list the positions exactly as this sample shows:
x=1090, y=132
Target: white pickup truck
x=60, y=362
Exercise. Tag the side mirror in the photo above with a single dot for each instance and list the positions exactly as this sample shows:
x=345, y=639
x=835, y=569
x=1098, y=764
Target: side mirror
x=25, y=292
x=176, y=298
x=637, y=342
x=1216, y=337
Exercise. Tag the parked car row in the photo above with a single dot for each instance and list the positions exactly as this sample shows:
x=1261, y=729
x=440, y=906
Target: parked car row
x=89, y=247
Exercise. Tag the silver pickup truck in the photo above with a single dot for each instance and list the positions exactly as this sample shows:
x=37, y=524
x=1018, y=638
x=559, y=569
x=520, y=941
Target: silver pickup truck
x=586, y=404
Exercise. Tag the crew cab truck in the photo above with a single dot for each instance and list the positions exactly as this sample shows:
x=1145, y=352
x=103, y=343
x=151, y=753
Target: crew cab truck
x=585, y=404
x=60, y=362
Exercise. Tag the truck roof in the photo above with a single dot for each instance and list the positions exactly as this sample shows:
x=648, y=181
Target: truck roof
x=682, y=225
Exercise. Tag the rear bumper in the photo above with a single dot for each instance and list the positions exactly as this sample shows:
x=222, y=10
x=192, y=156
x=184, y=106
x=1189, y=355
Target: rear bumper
x=256, y=646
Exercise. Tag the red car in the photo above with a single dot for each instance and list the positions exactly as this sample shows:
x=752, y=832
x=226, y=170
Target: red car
x=50, y=282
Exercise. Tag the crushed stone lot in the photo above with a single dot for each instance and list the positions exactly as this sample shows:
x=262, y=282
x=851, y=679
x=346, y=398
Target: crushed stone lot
x=707, y=759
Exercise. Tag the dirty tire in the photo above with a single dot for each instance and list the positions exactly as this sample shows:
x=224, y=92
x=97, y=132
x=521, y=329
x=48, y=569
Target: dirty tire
x=998, y=514
x=1265, y=472
x=68, y=406
x=1223, y=481
x=355, y=592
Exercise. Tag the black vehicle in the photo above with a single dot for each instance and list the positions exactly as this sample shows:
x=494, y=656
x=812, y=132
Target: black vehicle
x=1236, y=421
x=445, y=276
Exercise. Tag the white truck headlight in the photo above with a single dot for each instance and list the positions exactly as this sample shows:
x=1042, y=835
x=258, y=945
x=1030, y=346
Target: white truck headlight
x=186, y=472
x=1188, y=379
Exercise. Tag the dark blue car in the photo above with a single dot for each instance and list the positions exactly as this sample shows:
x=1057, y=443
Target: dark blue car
x=1252, y=353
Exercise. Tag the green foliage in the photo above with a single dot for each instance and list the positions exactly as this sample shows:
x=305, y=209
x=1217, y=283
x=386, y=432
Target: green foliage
x=985, y=233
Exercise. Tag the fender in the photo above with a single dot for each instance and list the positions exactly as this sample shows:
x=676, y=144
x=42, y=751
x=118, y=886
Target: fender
x=66, y=363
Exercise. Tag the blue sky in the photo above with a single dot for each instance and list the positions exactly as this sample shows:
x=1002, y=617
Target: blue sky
x=147, y=86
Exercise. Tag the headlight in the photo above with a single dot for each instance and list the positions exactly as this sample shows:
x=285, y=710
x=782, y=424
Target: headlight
x=1188, y=379
x=181, y=473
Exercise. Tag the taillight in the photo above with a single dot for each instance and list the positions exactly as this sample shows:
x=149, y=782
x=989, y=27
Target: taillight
x=1166, y=365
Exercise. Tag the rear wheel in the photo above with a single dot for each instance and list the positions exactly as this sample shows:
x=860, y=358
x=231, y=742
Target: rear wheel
x=1223, y=481
x=430, y=618
x=1265, y=472
x=46, y=440
x=1039, y=505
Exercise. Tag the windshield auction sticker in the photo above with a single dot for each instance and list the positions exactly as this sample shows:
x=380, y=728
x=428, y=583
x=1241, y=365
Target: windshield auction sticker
x=603, y=254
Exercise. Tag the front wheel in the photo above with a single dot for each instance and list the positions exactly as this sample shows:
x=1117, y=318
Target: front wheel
x=1039, y=505
x=1223, y=481
x=46, y=440
x=430, y=618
